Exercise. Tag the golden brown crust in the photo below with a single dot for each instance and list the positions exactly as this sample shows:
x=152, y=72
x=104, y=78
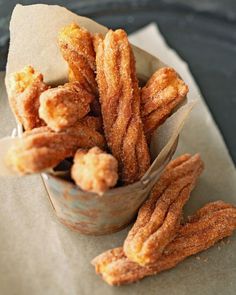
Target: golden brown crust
x=163, y=92
x=63, y=106
x=94, y=123
x=97, y=39
x=42, y=148
x=94, y=170
x=215, y=223
x=159, y=218
x=24, y=89
x=120, y=105
x=76, y=45
x=209, y=209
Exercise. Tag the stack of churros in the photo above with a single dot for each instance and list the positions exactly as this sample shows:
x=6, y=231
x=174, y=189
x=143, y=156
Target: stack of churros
x=160, y=238
x=104, y=121
x=101, y=106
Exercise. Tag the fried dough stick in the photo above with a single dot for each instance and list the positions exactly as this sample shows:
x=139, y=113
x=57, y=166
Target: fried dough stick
x=24, y=89
x=159, y=217
x=163, y=92
x=42, y=148
x=76, y=45
x=209, y=225
x=120, y=105
x=63, y=106
x=94, y=170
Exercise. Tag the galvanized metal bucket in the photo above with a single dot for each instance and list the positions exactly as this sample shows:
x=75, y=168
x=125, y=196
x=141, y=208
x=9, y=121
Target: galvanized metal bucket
x=86, y=212
x=92, y=214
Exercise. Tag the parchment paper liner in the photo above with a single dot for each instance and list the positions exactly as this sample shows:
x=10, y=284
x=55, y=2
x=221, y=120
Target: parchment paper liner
x=33, y=32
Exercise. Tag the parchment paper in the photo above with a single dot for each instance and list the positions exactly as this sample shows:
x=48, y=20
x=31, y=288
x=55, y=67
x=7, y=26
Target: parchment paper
x=40, y=256
x=38, y=47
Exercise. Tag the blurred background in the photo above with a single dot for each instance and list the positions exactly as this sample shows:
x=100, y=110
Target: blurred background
x=203, y=32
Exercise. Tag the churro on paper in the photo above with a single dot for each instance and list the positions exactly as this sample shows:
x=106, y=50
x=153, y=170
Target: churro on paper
x=215, y=221
x=159, y=218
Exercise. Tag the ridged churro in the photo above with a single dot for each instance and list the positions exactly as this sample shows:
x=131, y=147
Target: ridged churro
x=42, y=148
x=76, y=45
x=214, y=223
x=120, y=105
x=159, y=217
x=163, y=92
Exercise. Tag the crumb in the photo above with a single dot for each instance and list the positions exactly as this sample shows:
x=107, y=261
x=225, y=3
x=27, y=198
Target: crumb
x=205, y=260
x=198, y=257
x=219, y=248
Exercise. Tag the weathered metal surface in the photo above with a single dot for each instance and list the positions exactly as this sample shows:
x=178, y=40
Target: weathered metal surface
x=89, y=213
